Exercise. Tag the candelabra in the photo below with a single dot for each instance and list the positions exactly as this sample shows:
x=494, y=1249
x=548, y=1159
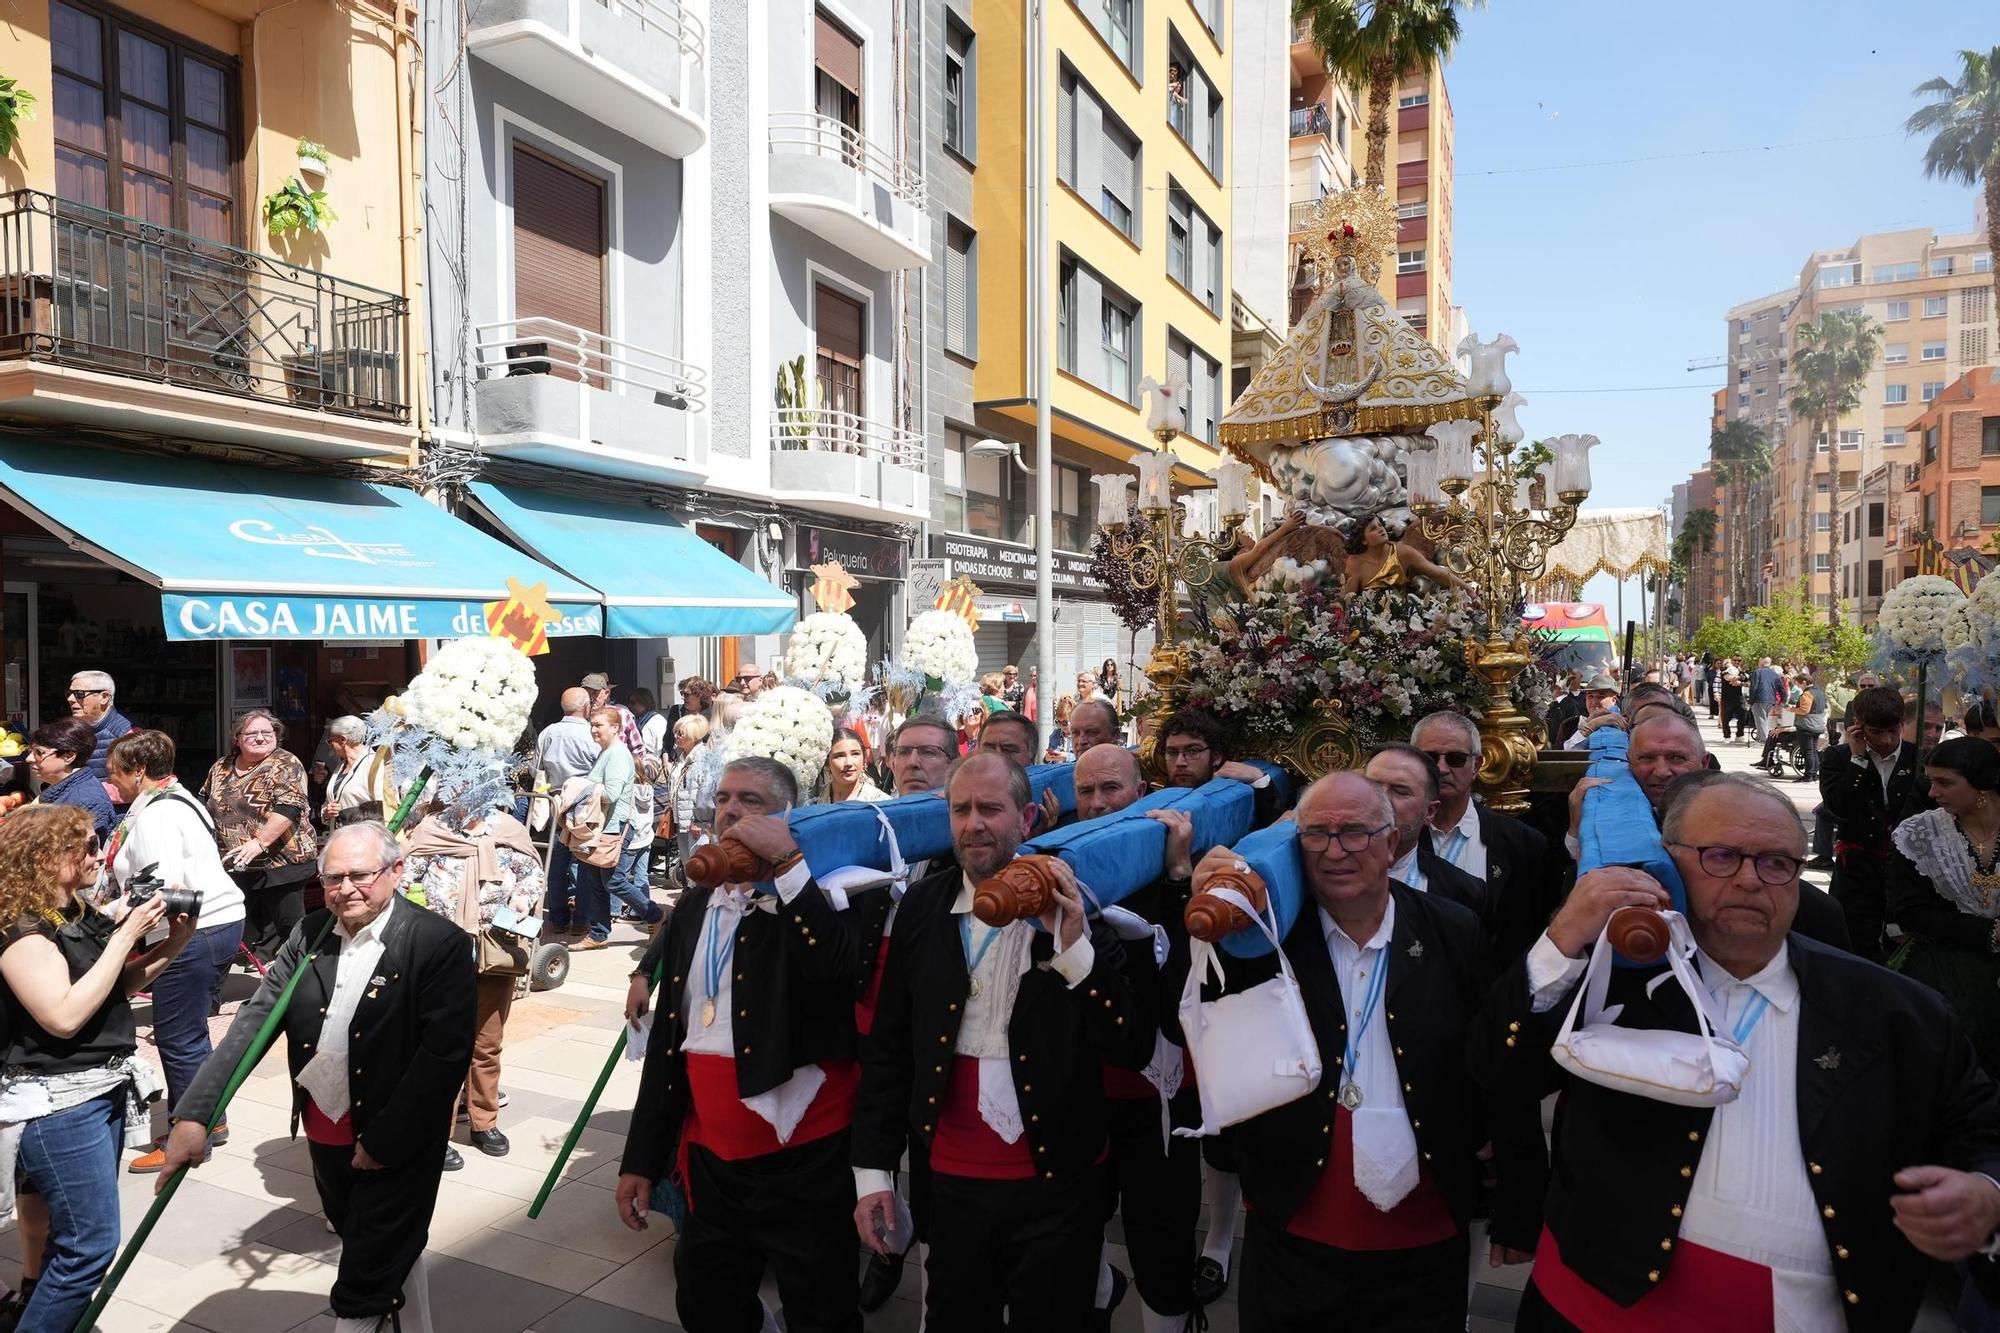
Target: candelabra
x=1492, y=523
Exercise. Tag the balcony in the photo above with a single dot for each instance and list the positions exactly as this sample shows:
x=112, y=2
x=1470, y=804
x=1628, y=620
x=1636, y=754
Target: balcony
x=639, y=66
x=1302, y=214
x=553, y=393
x=109, y=321
x=843, y=463
x=1306, y=59
x=1310, y=120
x=834, y=182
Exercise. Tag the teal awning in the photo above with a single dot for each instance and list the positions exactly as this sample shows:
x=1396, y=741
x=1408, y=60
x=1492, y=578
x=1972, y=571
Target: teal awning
x=250, y=553
x=658, y=578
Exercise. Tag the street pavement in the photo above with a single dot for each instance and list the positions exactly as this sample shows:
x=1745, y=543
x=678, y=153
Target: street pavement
x=244, y=1247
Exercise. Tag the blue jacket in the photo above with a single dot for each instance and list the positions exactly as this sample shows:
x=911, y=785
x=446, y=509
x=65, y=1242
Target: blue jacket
x=85, y=790
x=108, y=728
x=1764, y=685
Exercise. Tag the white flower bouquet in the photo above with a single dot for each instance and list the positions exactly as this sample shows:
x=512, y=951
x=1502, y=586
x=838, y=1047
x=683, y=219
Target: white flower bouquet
x=459, y=719
x=1972, y=637
x=790, y=725
x=939, y=646
x=1911, y=626
x=828, y=655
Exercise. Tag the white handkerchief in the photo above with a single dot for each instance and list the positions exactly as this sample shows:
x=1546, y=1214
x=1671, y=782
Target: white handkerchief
x=1385, y=1155
x=325, y=1080
x=785, y=1105
x=1167, y=1066
x=636, y=1035
x=998, y=1106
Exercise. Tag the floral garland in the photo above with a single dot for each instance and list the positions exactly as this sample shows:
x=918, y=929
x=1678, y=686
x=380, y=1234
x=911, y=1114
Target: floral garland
x=1390, y=656
x=1911, y=627
x=789, y=725
x=828, y=655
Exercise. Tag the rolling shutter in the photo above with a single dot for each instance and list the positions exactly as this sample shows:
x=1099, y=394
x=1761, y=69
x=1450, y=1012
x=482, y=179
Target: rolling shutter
x=836, y=52
x=559, y=249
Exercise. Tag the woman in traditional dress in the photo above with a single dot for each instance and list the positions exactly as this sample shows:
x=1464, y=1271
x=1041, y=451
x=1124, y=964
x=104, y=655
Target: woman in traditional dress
x=1944, y=888
x=1373, y=561
x=846, y=776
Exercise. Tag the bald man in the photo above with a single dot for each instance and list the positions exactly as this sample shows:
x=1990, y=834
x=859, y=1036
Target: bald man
x=564, y=750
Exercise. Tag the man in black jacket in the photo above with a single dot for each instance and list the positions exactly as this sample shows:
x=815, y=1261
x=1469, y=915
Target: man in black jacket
x=1868, y=790
x=749, y=1081
x=1361, y=1191
x=378, y=1038
x=1509, y=857
x=985, y=1064
x=1406, y=773
x=1862, y=1145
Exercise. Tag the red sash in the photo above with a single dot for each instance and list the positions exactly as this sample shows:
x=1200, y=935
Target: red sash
x=718, y=1120
x=964, y=1144
x=1704, y=1289
x=326, y=1133
x=1339, y=1215
x=864, y=1008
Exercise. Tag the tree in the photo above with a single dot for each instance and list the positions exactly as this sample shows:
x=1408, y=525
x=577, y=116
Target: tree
x=1787, y=627
x=1697, y=534
x=1963, y=120
x=1848, y=648
x=1372, y=43
x=1830, y=360
x=1723, y=638
x=1740, y=457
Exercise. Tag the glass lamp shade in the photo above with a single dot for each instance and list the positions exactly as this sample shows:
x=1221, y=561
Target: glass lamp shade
x=1422, y=467
x=1156, y=471
x=1232, y=489
x=1454, y=440
x=1571, y=470
x=1114, y=498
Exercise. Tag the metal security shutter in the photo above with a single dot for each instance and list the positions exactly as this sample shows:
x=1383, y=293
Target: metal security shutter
x=1066, y=130
x=957, y=299
x=992, y=641
x=1177, y=361
x=559, y=249
x=837, y=52
x=1121, y=168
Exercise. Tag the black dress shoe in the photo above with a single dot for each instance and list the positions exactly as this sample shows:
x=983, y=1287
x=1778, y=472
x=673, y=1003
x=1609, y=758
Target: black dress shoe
x=1101, y=1319
x=490, y=1141
x=452, y=1161
x=1211, y=1279
x=879, y=1282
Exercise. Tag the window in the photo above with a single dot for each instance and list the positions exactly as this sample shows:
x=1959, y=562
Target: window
x=1760, y=391
x=1822, y=520
x=1820, y=562
x=1930, y=445
x=1934, y=350
x=1874, y=578
x=1844, y=273
x=1743, y=402
x=1180, y=236
x=1874, y=520
x=1194, y=248
x=837, y=66
x=1896, y=311
x=961, y=106
x=1413, y=99
x=961, y=290
x=1742, y=326
x=1989, y=435
x=143, y=124
x=1941, y=268
x=986, y=497
x=1340, y=127
x=1096, y=155
x=1743, y=375
x=1982, y=263
x=1850, y=439
x=1194, y=107
x=1895, y=354
x=1934, y=307
x=1894, y=272
x=1066, y=299
x=1118, y=192
x=1894, y=435
x=1416, y=209
x=1097, y=330
x=1932, y=388
x=1066, y=505
x=1116, y=320
x=1989, y=506
x=1410, y=261
x=840, y=326
x=1893, y=394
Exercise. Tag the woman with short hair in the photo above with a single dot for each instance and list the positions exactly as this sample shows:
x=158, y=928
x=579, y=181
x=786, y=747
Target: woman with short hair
x=358, y=788
x=690, y=736
x=59, y=752
x=256, y=794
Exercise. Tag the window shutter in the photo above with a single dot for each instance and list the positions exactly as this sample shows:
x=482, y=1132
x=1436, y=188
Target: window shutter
x=1120, y=169
x=559, y=248
x=956, y=306
x=1066, y=132
x=836, y=52
x=1177, y=364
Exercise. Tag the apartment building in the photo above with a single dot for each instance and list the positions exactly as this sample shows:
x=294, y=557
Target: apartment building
x=1260, y=139
x=1701, y=590
x=1931, y=294
x=1861, y=519
x=1951, y=485
x=1757, y=377
x=1328, y=145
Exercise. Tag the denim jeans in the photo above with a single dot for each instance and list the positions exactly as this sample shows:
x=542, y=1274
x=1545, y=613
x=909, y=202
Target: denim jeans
x=183, y=997
x=628, y=881
x=593, y=899
x=72, y=1156
x=561, y=894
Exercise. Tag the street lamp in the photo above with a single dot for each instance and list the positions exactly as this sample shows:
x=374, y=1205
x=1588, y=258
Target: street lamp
x=992, y=448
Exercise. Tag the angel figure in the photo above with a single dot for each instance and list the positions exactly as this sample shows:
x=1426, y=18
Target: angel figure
x=1296, y=539
x=1374, y=561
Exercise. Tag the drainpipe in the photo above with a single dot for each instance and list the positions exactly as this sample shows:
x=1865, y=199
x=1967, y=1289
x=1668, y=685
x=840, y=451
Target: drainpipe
x=1038, y=305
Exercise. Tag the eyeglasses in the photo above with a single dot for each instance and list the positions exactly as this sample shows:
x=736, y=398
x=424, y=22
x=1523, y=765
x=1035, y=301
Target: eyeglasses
x=1450, y=758
x=258, y=736
x=1186, y=752
x=931, y=752
x=358, y=878
x=84, y=694
x=1350, y=839
x=1772, y=868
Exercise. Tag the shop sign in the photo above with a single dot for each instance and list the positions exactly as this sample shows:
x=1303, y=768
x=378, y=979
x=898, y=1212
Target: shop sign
x=992, y=564
x=191, y=617
x=862, y=556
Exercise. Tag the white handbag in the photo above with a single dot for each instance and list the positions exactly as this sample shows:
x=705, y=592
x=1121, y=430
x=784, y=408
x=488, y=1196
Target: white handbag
x=1684, y=1068
x=1254, y=1051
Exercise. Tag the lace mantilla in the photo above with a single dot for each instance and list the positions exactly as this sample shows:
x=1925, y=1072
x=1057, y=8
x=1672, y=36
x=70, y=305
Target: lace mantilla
x=1935, y=846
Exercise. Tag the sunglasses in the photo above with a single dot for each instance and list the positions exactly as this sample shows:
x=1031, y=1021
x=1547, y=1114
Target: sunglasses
x=1450, y=758
x=83, y=694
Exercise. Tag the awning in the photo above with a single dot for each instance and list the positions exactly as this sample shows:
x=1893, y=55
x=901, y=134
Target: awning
x=658, y=579
x=245, y=553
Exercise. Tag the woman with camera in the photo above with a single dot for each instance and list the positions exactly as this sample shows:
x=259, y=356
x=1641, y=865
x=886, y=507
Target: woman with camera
x=167, y=843
x=73, y=1090
x=256, y=795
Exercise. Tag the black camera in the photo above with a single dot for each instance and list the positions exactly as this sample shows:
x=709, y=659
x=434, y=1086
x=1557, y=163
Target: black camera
x=142, y=886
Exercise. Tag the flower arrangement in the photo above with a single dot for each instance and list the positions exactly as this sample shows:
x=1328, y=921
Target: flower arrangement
x=787, y=724
x=1910, y=628
x=939, y=646
x=1972, y=638
x=828, y=655
x=1391, y=656
x=460, y=718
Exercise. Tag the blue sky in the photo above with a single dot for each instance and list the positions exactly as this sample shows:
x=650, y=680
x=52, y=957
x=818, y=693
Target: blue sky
x=1613, y=277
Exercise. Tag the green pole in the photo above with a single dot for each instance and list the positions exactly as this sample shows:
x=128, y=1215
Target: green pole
x=258, y=1046
x=589, y=1104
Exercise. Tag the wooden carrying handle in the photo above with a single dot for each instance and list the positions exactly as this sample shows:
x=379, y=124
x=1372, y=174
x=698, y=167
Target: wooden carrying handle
x=725, y=861
x=1017, y=891
x=1211, y=919
x=1638, y=933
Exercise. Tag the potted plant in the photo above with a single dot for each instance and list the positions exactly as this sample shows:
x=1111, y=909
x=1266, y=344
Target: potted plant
x=16, y=105
x=296, y=208
x=312, y=160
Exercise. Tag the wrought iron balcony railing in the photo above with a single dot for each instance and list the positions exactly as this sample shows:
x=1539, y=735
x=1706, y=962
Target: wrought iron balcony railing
x=99, y=291
x=1308, y=120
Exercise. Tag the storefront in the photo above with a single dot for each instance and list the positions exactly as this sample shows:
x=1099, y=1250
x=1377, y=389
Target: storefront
x=206, y=589
x=879, y=566
x=1087, y=629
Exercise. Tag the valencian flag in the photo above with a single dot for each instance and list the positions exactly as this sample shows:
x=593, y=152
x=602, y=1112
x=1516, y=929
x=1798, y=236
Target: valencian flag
x=1963, y=566
x=524, y=618
x=833, y=587
x=960, y=597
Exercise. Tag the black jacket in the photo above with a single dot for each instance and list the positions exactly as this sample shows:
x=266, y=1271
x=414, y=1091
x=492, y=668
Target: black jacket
x=1449, y=882
x=1059, y=1037
x=1853, y=795
x=1886, y=1080
x=1563, y=717
x=411, y=1042
x=1524, y=883
x=1440, y=969
x=795, y=974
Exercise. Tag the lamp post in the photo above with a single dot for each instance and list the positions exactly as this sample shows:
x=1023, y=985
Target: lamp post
x=1483, y=518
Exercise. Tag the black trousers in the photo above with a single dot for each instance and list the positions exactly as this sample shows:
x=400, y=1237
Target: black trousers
x=793, y=1211
x=1859, y=886
x=384, y=1220
x=1158, y=1188
x=1027, y=1248
x=1292, y=1285
x=1536, y=1315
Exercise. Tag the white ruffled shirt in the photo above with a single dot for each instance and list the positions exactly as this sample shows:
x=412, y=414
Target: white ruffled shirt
x=325, y=1075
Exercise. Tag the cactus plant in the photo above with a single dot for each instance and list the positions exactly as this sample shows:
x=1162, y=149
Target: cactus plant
x=795, y=390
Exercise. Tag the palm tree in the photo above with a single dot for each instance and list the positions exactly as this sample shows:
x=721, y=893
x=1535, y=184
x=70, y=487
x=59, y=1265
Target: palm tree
x=1963, y=120
x=1697, y=536
x=1831, y=359
x=1372, y=43
x=1740, y=457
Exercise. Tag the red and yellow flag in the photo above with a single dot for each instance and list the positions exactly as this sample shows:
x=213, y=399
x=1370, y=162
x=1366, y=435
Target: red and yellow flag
x=833, y=587
x=960, y=597
x=523, y=619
